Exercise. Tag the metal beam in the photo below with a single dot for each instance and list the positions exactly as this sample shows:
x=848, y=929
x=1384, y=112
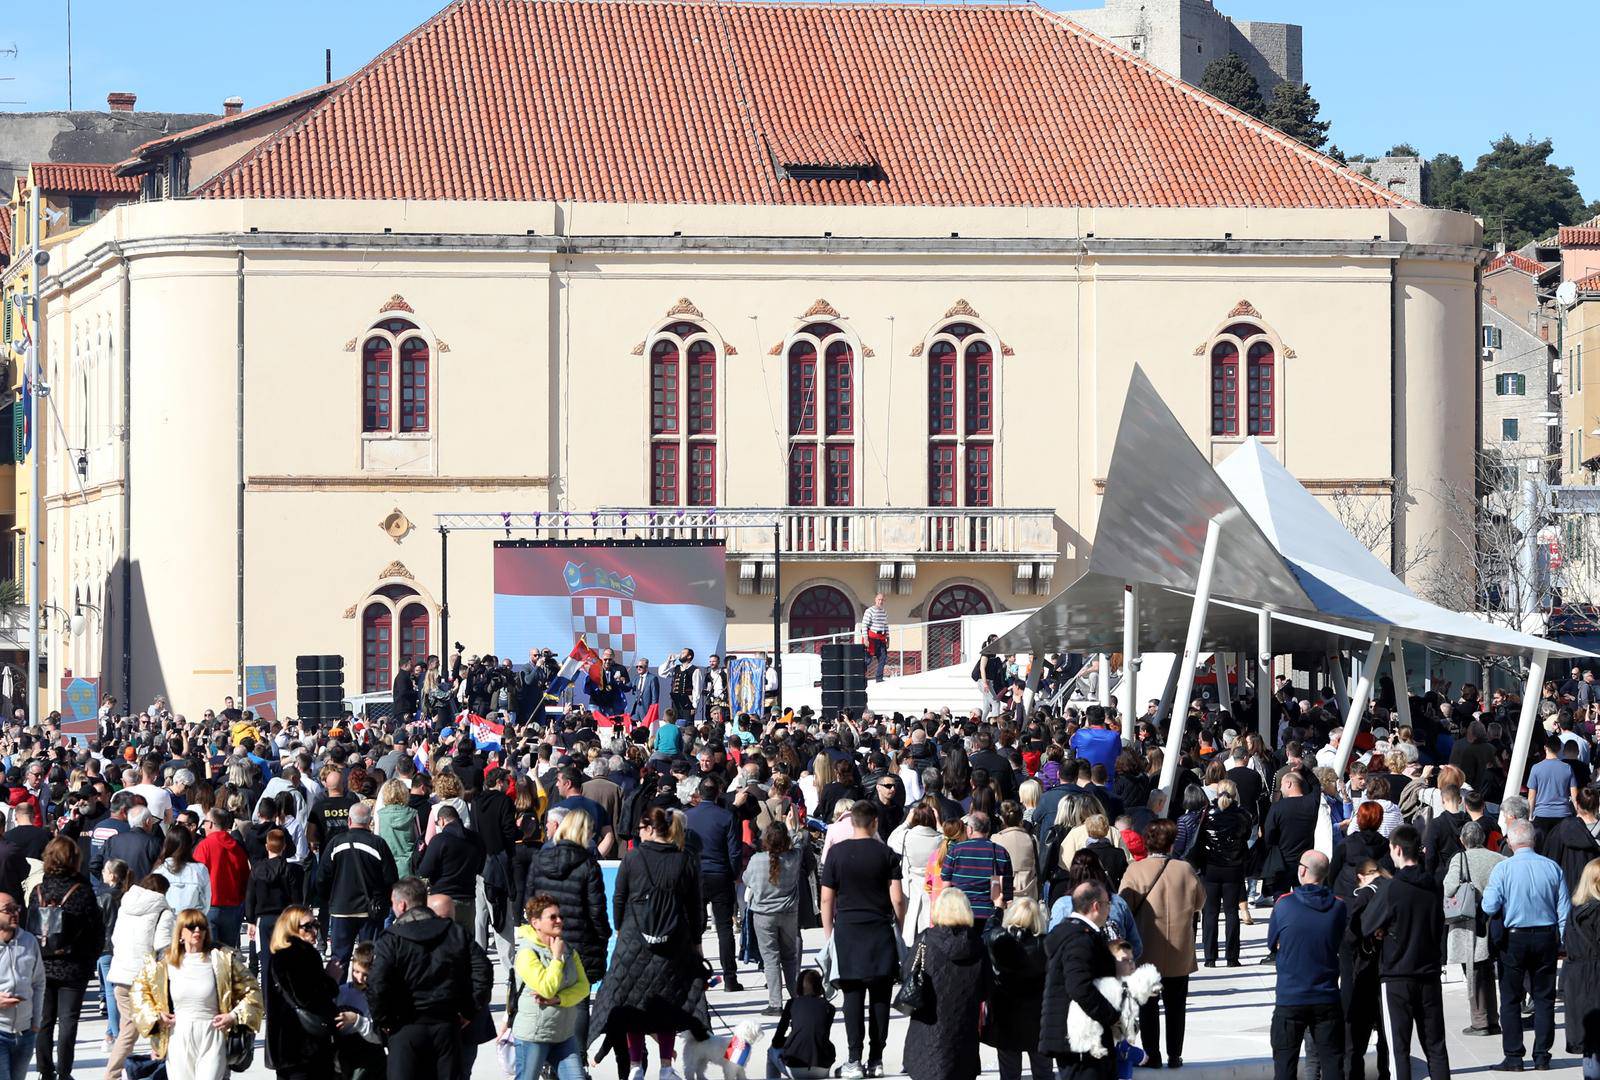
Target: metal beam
x=1358, y=701
x=1524, y=737
x=1264, y=675
x=1402, y=687
x=1341, y=686
x=1130, y=659
x=1224, y=694
x=1103, y=682
x=1178, y=719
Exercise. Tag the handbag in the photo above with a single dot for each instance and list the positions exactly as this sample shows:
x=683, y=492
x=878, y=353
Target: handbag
x=241, y=1048
x=312, y=1024
x=1461, y=905
x=912, y=996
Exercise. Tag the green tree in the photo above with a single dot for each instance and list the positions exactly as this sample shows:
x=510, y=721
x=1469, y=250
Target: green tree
x=1518, y=192
x=1404, y=149
x=1294, y=111
x=1440, y=175
x=1336, y=154
x=1228, y=78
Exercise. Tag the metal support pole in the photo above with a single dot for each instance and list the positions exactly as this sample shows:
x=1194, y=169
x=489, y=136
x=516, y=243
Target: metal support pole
x=1341, y=686
x=444, y=597
x=1130, y=660
x=1358, y=702
x=35, y=504
x=1224, y=693
x=1523, y=739
x=1179, y=716
x=777, y=607
x=1103, y=682
x=1031, y=686
x=1264, y=675
x=1402, y=688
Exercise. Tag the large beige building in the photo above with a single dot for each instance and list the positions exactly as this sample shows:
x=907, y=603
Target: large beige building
x=879, y=271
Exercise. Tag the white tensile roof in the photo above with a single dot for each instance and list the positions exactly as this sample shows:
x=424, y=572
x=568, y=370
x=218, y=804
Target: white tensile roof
x=1280, y=549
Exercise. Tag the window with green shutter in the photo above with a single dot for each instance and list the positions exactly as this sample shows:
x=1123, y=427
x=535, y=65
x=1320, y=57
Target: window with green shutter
x=18, y=415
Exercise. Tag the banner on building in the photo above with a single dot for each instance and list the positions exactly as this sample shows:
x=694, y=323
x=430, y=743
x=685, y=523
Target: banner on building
x=261, y=691
x=637, y=598
x=80, y=708
x=747, y=680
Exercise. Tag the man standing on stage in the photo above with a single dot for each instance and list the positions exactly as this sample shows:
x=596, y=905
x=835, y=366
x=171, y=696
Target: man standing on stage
x=686, y=682
x=607, y=695
x=875, y=633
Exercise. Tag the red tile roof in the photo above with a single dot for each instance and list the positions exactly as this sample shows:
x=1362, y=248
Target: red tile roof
x=5, y=235
x=82, y=179
x=1578, y=236
x=689, y=101
x=221, y=123
x=1514, y=261
x=1589, y=284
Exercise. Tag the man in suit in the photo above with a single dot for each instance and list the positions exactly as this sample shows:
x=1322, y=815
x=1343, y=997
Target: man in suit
x=645, y=691
x=1076, y=955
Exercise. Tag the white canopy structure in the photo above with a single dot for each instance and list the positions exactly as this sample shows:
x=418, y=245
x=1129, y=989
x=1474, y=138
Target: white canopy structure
x=1174, y=533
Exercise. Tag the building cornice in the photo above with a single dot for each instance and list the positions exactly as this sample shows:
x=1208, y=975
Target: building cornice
x=392, y=482
x=865, y=246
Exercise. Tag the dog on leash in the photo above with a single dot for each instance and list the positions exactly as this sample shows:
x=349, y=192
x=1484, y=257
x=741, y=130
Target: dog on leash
x=1126, y=995
x=730, y=1053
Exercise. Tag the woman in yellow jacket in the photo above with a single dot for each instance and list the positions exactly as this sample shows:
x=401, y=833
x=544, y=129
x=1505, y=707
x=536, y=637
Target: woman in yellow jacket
x=189, y=996
x=550, y=984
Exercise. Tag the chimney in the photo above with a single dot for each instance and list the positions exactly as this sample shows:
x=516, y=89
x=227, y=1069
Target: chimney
x=233, y=106
x=120, y=101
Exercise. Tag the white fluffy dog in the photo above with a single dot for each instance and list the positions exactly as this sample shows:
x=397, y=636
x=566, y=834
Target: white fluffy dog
x=1125, y=995
x=712, y=1053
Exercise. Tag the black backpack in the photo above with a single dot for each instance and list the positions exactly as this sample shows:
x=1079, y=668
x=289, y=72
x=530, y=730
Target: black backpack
x=53, y=941
x=660, y=914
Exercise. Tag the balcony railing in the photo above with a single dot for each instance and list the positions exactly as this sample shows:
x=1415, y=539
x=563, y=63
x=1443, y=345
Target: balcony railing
x=838, y=532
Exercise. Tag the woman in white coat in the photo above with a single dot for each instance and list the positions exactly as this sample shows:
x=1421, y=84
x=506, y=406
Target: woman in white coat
x=915, y=841
x=144, y=924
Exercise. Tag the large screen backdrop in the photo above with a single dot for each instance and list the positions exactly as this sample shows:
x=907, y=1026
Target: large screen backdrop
x=640, y=598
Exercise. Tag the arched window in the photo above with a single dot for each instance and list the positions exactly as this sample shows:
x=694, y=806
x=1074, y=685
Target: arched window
x=832, y=448
x=683, y=417
x=944, y=627
x=413, y=632
x=961, y=387
x=378, y=378
x=818, y=613
x=1254, y=411
x=377, y=649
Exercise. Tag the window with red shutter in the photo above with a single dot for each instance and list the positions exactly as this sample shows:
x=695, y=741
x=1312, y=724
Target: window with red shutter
x=841, y=476
x=702, y=474
x=980, y=389
x=803, y=474
x=980, y=462
x=1225, y=389
x=377, y=384
x=702, y=376
x=664, y=474
x=841, y=389
x=377, y=649
x=414, y=385
x=1260, y=389
x=664, y=388
x=942, y=474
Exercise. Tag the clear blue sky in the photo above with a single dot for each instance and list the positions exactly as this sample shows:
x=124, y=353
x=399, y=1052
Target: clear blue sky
x=1444, y=75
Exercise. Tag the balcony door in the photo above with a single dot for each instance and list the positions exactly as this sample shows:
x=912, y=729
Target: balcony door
x=817, y=613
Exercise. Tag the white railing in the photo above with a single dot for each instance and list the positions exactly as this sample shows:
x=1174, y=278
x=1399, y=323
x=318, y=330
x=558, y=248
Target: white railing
x=856, y=532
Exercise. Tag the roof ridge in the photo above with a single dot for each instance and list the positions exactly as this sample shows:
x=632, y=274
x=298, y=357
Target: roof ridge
x=341, y=87
x=1261, y=126
x=224, y=122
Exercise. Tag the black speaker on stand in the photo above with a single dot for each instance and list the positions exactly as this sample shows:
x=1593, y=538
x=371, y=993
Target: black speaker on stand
x=844, y=679
x=319, y=687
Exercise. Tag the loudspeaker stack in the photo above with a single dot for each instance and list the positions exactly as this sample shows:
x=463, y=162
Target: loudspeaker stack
x=319, y=687
x=844, y=679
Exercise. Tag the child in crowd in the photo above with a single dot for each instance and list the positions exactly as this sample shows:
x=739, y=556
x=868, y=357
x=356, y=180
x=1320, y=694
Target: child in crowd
x=802, y=1046
x=1128, y=1054
x=360, y=1044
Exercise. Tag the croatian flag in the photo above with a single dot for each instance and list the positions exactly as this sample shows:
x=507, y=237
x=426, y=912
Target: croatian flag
x=738, y=1051
x=486, y=733
x=644, y=602
x=580, y=659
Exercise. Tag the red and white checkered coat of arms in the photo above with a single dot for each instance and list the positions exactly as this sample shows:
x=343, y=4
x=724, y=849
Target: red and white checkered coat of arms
x=606, y=622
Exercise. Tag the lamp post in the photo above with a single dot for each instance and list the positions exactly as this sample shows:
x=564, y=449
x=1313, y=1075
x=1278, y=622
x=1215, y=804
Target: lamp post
x=41, y=260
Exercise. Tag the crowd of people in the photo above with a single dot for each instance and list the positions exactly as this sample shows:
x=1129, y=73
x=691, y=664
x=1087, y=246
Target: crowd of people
x=356, y=891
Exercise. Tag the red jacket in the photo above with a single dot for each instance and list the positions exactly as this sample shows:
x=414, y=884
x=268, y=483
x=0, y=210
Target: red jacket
x=229, y=866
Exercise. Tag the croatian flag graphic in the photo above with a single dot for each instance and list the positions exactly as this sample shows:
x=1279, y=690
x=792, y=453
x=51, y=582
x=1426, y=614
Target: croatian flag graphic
x=638, y=601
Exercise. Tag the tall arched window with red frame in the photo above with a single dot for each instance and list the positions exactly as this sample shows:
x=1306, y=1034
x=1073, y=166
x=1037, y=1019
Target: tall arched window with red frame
x=377, y=649
x=962, y=421
x=683, y=416
x=1225, y=389
x=414, y=385
x=382, y=374
x=413, y=632
x=822, y=417
x=1260, y=385
x=377, y=381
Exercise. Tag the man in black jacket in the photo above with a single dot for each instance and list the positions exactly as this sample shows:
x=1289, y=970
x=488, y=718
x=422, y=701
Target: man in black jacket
x=495, y=819
x=1444, y=833
x=139, y=847
x=407, y=686
x=1077, y=955
x=356, y=873
x=998, y=767
x=1409, y=909
x=451, y=864
x=1246, y=779
x=421, y=987
x=1290, y=830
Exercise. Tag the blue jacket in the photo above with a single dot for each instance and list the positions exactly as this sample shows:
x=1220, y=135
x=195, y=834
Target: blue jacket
x=719, y=838
x=646, y=694
x=1307, y=926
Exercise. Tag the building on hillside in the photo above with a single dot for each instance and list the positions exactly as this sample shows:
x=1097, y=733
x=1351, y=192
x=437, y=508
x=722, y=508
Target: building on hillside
x=1400, y=174
x=899, y=323
x=1183, y=37
x=1521, y=285
x=1521, y=423
x=85, y=135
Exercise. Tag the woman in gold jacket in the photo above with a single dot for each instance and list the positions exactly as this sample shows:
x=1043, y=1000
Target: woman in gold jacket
x=189, y=996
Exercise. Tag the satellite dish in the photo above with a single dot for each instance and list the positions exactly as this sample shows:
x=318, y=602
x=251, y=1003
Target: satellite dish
x=1567, y=293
